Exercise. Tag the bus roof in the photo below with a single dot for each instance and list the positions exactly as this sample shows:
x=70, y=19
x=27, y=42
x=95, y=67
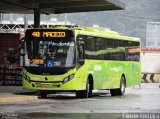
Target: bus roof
x=101, y=32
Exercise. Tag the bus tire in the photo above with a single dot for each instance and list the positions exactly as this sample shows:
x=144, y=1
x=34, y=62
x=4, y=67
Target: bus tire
x=85, y=93
x=89, y=88
x=120, y=91
x=43, y=94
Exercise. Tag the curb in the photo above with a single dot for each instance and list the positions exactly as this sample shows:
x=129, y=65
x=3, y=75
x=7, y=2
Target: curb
x=18, y=99
x=150, y=78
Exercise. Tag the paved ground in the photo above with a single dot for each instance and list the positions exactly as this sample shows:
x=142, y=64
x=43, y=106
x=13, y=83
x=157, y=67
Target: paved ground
x=136, y=103
x=12, y=94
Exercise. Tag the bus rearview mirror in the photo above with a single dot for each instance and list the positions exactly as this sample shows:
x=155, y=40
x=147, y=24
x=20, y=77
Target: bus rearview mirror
x=81, y=53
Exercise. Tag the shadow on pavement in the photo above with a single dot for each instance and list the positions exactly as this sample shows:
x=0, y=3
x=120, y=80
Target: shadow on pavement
x=42, y=115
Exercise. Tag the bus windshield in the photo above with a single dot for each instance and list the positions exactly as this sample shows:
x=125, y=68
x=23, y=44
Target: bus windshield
x=50, y=52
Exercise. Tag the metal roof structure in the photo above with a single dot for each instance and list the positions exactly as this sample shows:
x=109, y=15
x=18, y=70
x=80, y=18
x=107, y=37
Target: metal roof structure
x=58, y=6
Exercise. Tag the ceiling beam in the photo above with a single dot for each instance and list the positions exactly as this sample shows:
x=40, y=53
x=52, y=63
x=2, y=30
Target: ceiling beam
x=82, y=9
x=17, y=4
x=47, y=1
x=73, y=3
x=25, y=7
x=58, y=6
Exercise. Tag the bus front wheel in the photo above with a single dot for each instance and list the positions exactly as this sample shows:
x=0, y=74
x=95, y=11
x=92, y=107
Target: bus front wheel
x=85, y=93
x=120, y=91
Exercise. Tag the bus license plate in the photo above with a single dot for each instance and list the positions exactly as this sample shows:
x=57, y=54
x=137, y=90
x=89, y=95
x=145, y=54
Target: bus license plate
x=45, y=85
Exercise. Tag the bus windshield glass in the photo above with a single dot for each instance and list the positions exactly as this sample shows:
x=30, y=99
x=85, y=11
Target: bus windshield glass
x=49, y=50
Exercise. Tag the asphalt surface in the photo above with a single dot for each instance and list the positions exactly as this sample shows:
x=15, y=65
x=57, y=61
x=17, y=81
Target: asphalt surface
x=137, y=103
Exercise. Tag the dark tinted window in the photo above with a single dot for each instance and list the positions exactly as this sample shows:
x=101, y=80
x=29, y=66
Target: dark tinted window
x=133, y=52
x=110, y=49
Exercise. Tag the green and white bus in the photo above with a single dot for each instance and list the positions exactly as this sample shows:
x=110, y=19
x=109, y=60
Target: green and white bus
x=79, y=59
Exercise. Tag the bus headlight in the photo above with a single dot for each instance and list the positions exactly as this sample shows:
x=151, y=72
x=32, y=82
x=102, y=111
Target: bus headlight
x=26, y=77
x=68, y=78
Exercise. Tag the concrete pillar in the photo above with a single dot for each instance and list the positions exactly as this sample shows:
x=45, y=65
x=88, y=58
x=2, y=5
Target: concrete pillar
x=11, y=18
x=36, y=18
x=66, y=19
x=25, y=22
x=1, y=17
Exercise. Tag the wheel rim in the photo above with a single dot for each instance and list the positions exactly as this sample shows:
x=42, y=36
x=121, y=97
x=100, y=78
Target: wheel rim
x=122, y=86
x=88, y=89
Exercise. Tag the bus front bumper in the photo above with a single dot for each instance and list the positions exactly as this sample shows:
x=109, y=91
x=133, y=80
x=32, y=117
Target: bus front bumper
x=68, y=86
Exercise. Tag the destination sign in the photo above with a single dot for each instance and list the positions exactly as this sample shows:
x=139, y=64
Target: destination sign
x=48, y=34
x=134, y=50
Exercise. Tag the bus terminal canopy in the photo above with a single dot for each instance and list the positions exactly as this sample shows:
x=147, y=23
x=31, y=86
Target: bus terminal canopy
x=58, y=6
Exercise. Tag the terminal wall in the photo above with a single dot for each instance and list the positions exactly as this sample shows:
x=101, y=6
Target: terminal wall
x=150, y=63
x=8, y=43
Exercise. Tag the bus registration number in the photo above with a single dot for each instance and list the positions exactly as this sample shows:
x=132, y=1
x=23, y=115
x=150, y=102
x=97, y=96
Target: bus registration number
x=45, y=85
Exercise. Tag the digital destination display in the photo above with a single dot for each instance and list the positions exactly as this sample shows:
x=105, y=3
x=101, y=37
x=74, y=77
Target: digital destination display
x=134, y=50
x=48, y=34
